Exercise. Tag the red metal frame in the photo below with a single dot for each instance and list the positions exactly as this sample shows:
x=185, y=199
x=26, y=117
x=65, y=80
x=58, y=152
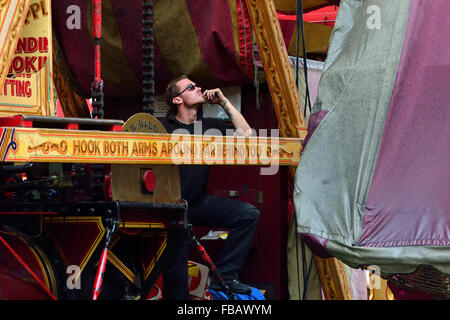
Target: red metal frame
x=326, y=16
x=97, y=26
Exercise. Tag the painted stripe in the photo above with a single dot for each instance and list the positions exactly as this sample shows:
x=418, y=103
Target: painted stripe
x=10, y=144
x=8, y=19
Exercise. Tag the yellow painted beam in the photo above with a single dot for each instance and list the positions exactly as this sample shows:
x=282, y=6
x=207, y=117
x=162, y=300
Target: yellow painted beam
x=80, y=146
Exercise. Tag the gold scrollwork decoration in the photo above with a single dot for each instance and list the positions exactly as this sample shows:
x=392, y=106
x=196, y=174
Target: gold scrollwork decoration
x=47, y=147
x=15, y=28
x=277, y=67
x=283, y=153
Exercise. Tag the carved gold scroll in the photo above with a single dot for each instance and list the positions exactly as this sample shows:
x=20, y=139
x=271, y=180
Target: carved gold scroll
x=333, y=278
x=12, y=17
x=291, y=123
x=277, y=68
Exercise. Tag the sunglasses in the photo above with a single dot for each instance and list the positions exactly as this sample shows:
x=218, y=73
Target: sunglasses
x=189, y=87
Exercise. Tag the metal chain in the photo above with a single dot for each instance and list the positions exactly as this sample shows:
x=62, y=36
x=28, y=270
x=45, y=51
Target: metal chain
x=148, y=57
x=97, y=85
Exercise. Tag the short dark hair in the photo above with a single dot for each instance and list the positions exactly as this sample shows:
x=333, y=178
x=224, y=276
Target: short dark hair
x=171, y=92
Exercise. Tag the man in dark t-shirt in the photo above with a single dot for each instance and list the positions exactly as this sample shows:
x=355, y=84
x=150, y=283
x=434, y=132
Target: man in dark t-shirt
x=194, y=178
x=185, y=99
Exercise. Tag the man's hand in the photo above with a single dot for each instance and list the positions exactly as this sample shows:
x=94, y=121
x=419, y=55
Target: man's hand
x=214, y=96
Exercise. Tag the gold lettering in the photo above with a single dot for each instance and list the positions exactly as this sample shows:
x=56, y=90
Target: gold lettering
x=163, y=149
x=83, y=146
x=105, y=148
x=76, y=147
x=44, y=8
x=125, y=148
x=34, y=11
x=34, y=8
x=134, y=150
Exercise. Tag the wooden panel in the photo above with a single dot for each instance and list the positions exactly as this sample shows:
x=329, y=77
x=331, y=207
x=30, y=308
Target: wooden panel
x=333, y=278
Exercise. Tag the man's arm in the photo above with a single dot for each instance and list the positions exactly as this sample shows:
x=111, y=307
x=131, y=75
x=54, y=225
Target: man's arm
x=237, y=119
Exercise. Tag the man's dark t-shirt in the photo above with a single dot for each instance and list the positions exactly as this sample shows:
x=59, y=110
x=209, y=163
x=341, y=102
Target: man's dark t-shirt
x=194, y=178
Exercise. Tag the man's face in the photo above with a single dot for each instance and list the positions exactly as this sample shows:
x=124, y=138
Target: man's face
x=190, y=97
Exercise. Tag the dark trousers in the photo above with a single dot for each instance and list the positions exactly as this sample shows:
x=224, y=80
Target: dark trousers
x=209, y=211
